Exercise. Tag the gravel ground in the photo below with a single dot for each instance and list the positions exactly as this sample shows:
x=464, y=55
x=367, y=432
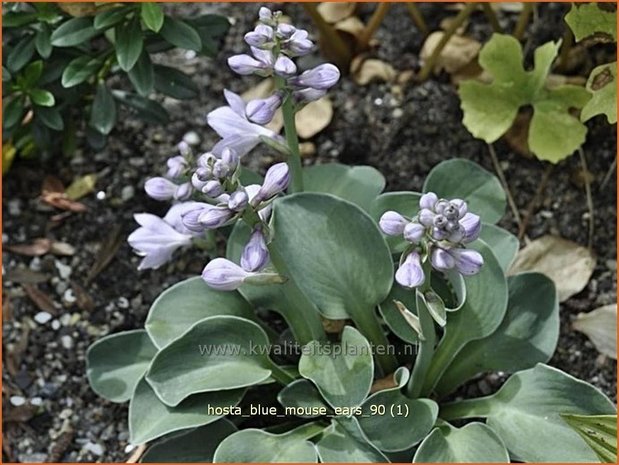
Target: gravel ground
x=403, y=132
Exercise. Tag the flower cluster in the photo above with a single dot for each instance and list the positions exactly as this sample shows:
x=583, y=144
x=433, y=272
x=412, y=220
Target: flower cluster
x=440, y=232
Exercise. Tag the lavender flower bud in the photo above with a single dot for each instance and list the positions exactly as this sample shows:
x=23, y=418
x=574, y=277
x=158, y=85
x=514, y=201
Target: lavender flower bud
x=213, y=188
x=200, y=177
x=410, y=273
x=467, y=261
x=309, y=94
x=439, y=234
x=440, y=206
x=183, y=148
x=275, y=181
x=190, y=218
x=261, y=111
x=215, y=217
x=461, y=206
x=265, y=15
x=246, y=65
x=440, y=221
x=285, y=31
x=414, y=232
x=184, y=191
x=321, y=77
x=442, y=260
x=299, y=44
x=176, y=166
x=206, y=160
x=224, y=275
x=285, y=67
x=471, y=224
x=255, y=254
x=230, y=158
x=392, y=223
x=428, y=200
x=238, y=200
x=160, y=188
x=426, y=217
x=456, y=234
x=261, y=35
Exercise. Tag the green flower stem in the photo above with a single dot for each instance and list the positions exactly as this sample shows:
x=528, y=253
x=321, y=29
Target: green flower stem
x=418, y=18
x=470, y=408
x=442, y=359
x=523, y=19
x=292, y=139
x=309, y=430
x=377, y=18
x=426, y=347
x=371, y=328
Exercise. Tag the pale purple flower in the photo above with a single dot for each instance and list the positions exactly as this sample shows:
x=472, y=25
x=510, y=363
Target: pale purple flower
x=442, y=260
x=428, y=200
x=465, y=261
x=190, y=217
x=285, y=31
x=284, y=66
x=183, y=148
x=410, y=272
x=414, y=232
x=265, y=15
x=213, y=188
x=471, y=224
x=392, y=223
x=265, y=212
x=238, y=200
x=261, y=63
x=426, y=217
x=176, y=166
x=321, y=77
x=224, y=275
x=183, y=191
x=255, y=254
x=262, y=110
x=157, y=238
x=230, y=160
x=215, y=217
x=160, y=188
x=260, y=36
x=200, y=177
x=275, y=181
x=299, y=44
x=309, y=94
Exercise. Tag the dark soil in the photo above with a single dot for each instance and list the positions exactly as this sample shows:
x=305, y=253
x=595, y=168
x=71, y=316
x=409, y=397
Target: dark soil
x=404, y=133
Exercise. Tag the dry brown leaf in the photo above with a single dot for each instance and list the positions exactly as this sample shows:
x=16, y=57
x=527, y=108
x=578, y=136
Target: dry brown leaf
x=53, y=193
x=600, y=326
x=314, y=117
x=568, y=264
x=26, y=275
x=353, y=26
x=83, y=299
x=388, y=382
x=81, y=186
x=20, y=414
x=137, y=454
x=36, y=248
x=78, y=9
x=332, y=12
x=307, y=149
x=457, y=53
x=368, y=70
x=43, y=301
x=62, y=248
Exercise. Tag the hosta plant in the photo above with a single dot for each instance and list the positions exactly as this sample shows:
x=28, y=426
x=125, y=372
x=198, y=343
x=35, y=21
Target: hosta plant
x=391, y=302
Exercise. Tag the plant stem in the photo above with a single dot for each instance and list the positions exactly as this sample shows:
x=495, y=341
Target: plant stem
x=583, y=161
x=417, y=17
x=566, y=46
x=339, y=51
x=523, y=20
x=279, y=374
x=370, y=327
x=372, y=26
x=470, y=408
x=294, y=159
x=450, y=31
x=501, y=175
x=492, y=19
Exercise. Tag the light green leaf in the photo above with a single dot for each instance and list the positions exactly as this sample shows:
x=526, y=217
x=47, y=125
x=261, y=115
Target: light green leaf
x=116, y=363
x=152, y=15
x=474, y=443
x=504, y=244
x=79, y=69
x=405, y=203
x=129, y=44
x=342, y=372
x=528, y=334
x=589, y=19
x=75, y=31
x=184, y=304
x=193, y=446
x=357, y=184
x=254, y=445
x=599, y=431
x=526, y=414
x=345, y=442
x=602, y=84
x=42, y=97
x=149, y=418
x=109, y=18
x=180, y=34
x=304, y=397
x=463, y=179
x=142, y=75
x=103, y=111
x=220, y=352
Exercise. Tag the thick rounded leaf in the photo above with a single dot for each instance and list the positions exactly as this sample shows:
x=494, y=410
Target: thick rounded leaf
x=79, y=69
x=116, y=363
x=503, y=243
x=148, y=110
x=405, y=203
x=526, y=414
x=345, y=442
x=220, y=352
x=129, y=44
x=254, y=445
x=602, y=83
x=103, y=111
x=474, y=443
x=303, y=399
x=463, y=179
x=141, y=75
x=357, y=184
x=50, y=117
x=195, y=446
x=149, y=418
x=74, y=32
x=528, y=334
x=175, y=83
x=152, y=15
x=334, y=252
x=109, y=18
x=342, y=372
x=394, y=318
x=480, y=316
x=180, y=34
x=184, y=304
x=20, y=54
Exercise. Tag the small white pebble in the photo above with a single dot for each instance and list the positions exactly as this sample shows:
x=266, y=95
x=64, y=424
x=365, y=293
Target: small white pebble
x=42, y=317
x=101, y=195
x=191, y=138
x=190, y=55
x=130, y=448
x=96, y=449
x=122, y=302
x=17, y=400
x=398, y=113
x=36, y=401
x=127, y=193
x=55, y=325
x=378, y=102
x=69, y=296
x=63, y=270
x=67, y=342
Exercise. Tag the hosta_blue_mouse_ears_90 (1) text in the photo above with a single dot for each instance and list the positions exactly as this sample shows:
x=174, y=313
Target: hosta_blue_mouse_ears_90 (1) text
x=389, y=302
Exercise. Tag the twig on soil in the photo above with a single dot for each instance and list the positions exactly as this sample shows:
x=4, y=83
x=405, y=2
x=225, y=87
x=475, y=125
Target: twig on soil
x=609, y=174
x=418, y=19
x=523, y=20
x=428, y=66
x=137, y=454
x=375, y=21
x=492, y=19
x=583, y=161
x=106, y=253
x=510, y=198
x=534, y=202
x=566, y=47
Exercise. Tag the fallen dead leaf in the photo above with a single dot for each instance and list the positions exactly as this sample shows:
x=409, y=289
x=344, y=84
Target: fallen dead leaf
x=53, y=193
x=36, y=248
x=568, y=264
x=600, y=326
x=518, y=135
x=411, y=318
x=26, y=275
x=137, y=454
x=333, y=12
x=457, y=53
x=307, y=149
x=43, y=301
x=7, y=308
x=314, y=117
x=83, y=300
x=352, y=26
x=20, y=414
x=388, y=382
x=368, y=70
x=81, y=186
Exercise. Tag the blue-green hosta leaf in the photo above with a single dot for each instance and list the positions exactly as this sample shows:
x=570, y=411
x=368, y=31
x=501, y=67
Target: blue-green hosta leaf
x=184, y=304
x=463, y=179
x=116, y=363
x=303, y=396
x=149, y=418
x=602, y=84
x=357, y=184
x=474, y=443
x=193, y=446
x=345, y=442
x=526, y=414
x=589, y=19
x=599, y=431
x=219, y=352
x=528, y=334
x=504, y=244
x=342, y=372
x=490, y=109
x=254, y=445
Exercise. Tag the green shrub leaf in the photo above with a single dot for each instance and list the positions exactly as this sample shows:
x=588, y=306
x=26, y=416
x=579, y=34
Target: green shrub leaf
x=43, y=41
x=50, y=117
x=129, y=44
x=302, y=394
x=152, y=15
x=42, y=97
x=103, y=111
x=142, y=75
x=13, y=112
x=149, y=110
x=180, y=34
x=175, y=83
x=602, y=84
x=20, y=54
x=79, y=69
x=109, y=18
x=74, y=32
